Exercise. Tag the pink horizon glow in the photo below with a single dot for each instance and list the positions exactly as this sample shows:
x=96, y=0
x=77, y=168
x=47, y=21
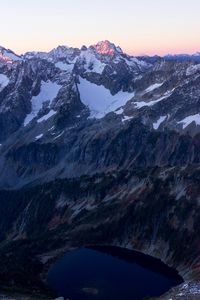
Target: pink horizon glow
x=163, y=52
x=138, y=26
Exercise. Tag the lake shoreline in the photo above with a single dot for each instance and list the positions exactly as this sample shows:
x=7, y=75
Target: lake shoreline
x=50, y=258
x=110, y=272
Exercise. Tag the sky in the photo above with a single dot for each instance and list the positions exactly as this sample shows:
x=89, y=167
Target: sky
x=137, y=26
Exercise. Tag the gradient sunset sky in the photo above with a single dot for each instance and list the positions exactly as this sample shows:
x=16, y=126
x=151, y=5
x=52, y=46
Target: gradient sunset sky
x=138, y=26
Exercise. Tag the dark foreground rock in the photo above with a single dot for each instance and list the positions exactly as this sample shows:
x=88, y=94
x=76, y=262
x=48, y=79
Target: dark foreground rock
x=155, y=211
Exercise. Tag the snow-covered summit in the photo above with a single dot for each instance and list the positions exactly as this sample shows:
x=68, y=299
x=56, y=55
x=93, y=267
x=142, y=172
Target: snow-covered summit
x=56, y=54
x=107, y=48
x=92, y=59
x=8, y=56
x=64, y=52
x=103, y=48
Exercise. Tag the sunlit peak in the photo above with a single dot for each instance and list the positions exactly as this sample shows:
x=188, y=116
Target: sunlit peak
x=106, y=48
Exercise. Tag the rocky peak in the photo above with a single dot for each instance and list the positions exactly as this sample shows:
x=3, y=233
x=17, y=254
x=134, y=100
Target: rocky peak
x=64, y=52
x=106, y=48
x=60, y=51
x=83, y=48
x=56, y=54
x=8, y=56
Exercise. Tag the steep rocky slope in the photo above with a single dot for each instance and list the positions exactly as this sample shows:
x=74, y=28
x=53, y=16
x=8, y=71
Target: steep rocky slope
x=154, y=210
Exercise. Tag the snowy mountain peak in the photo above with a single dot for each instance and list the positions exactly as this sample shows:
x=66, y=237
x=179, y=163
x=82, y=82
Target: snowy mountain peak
x=64, y=52
x=107, y=48
x=60, y=51
x=56, y=54
x=8, y=56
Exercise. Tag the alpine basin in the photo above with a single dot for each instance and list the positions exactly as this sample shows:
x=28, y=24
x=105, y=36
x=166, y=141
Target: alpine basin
x=107, y=273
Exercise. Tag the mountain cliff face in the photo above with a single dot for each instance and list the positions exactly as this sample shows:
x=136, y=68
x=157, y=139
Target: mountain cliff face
x=98, y=147
x=78, y=103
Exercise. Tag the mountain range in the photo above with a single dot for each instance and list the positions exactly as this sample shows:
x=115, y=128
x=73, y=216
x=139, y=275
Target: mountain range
x=98, y=147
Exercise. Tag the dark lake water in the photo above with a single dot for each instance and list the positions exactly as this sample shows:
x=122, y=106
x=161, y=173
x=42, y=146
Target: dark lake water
x=110, y=273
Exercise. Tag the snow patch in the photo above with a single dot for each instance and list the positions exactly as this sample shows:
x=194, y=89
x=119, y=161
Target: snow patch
x=119, y=111
x=48, y=92
x=151, y=103
x=127, y=118
x=153, y=87
x=64, y=67
x=58, y=135
x=192, y=70
x=159, y=122
x=4, y=80
x=8, y=56
x=53, y=127
x=188, y=120
x=99, y=100
x=92, y=64
x=47, y=116
x=39, y=136
x=133, y=62
x=12, y=56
